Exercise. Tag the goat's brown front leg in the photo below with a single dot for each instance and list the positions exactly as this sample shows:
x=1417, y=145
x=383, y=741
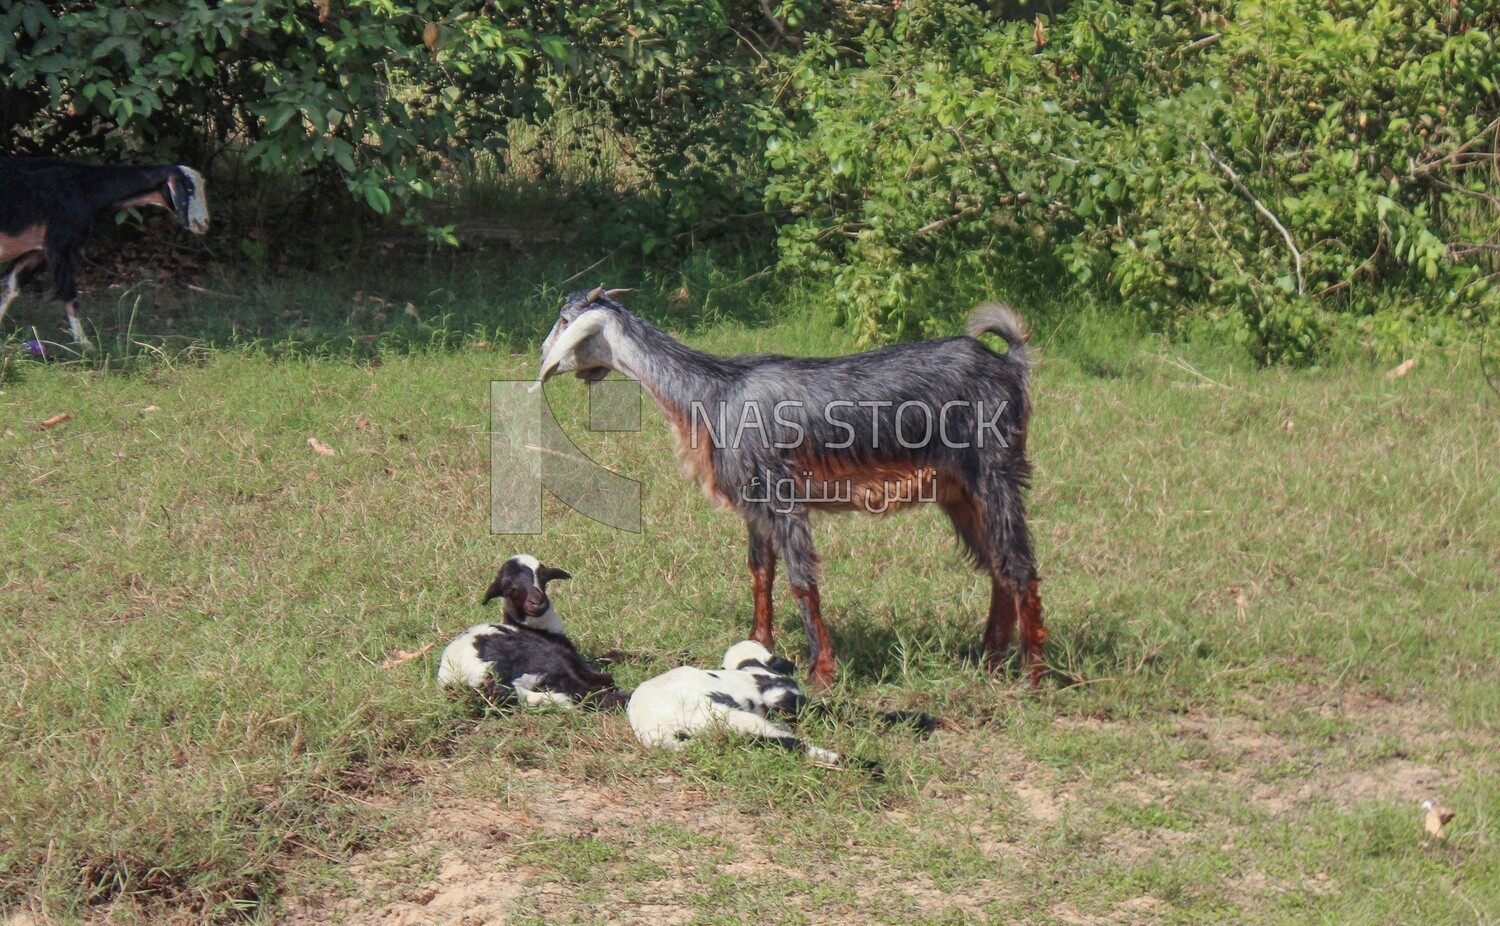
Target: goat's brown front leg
x=819, y=646
x=762, y=578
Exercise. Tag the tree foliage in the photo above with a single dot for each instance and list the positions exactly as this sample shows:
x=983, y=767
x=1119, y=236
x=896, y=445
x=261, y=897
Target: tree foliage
x=1284, y=168
x=354, y=91
x=1276, y=165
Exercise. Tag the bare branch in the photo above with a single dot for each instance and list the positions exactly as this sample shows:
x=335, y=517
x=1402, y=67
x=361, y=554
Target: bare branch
x=1350, y=278
x=1261, y=208
x=1456, y=152
x=749, y=44
x=1487, y=197
x=958, y=216
x=792, y=40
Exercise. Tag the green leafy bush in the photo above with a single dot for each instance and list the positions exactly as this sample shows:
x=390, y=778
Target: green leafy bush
x=317, y=93
x=1275, y=166
x=1292, y=172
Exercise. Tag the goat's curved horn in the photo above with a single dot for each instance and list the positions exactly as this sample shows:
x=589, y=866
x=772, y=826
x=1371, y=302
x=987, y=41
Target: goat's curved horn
x=594, y=295
x=585, y=326
x=612, y=293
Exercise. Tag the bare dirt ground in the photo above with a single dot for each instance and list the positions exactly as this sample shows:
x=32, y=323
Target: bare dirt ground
x=963, y=848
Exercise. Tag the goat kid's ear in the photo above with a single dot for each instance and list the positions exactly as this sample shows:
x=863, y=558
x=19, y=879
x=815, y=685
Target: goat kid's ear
x=500, y=588
x=547, y=574
x=782, y=666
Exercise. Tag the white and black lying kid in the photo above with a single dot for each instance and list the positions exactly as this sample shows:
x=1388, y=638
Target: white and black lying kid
x=527, y=657
x=745, y=696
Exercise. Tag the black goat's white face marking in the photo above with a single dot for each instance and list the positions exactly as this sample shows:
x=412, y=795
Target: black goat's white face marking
x=521, y=584
x=189, y=198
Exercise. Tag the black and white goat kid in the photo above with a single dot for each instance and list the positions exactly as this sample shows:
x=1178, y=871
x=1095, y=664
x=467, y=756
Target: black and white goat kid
x=526, y=657
x=668, y=710
x=48, y=207
x=775, y=438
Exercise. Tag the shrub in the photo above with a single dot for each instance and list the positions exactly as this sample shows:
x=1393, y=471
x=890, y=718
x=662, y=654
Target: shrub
x=1279, y=168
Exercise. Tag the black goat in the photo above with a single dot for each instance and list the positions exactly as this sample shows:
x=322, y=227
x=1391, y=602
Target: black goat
x=527, y=657
x=48, y=207
x=775, y=438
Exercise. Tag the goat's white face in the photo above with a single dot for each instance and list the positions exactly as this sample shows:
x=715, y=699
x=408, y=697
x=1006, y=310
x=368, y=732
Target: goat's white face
x=189, y=199
x=581, y=345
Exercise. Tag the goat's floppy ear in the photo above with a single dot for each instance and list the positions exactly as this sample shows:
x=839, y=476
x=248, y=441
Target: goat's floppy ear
x=498, y=589
x=547, y=574
x=782, y=666
x=584, y=327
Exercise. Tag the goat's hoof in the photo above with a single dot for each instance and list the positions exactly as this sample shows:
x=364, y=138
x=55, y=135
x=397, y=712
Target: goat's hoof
x=820, y=681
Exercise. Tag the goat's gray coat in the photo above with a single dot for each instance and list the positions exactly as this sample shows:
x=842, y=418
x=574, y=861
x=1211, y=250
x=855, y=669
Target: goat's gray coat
x=807, y=428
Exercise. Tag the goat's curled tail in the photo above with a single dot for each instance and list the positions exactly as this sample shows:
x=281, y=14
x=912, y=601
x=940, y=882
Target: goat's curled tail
x=1004, y=321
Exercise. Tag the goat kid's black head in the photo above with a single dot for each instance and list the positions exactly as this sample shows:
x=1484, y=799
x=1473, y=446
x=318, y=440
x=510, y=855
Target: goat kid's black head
x=187, y=196
x=522, y=582
x=579, y=341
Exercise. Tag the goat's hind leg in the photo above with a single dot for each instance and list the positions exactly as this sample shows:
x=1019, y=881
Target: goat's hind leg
x=969, y=524
x=1000, y=627
x=76, y=326
x=1033, y=631
x=1013, y=596
x=775, y=734
x=61, y=258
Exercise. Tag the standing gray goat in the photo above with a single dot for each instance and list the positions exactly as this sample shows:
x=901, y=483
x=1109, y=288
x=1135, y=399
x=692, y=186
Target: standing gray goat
x=775, y=438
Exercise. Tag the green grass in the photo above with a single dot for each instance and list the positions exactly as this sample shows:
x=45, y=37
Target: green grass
x=1272, y=597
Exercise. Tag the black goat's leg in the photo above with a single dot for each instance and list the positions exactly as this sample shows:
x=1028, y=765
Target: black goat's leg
x=1014, y=598
x=76, y=326
x=61, y=258
x=762, y=578
x=819, y=645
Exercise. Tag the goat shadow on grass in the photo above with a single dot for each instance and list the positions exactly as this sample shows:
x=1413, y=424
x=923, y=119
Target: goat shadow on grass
x=869, y=648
